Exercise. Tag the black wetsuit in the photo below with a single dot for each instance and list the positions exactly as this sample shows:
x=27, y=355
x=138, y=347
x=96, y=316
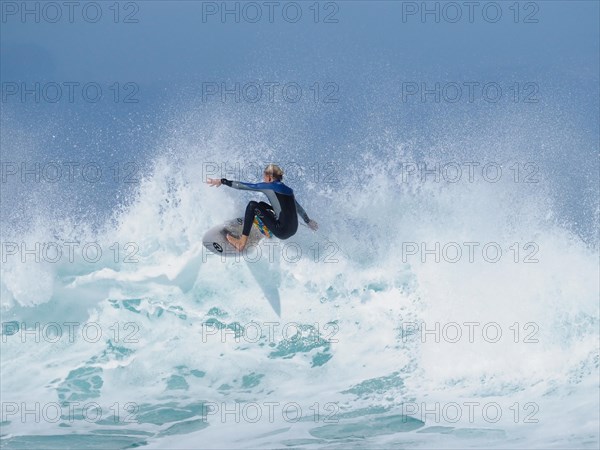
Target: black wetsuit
x=280, y=217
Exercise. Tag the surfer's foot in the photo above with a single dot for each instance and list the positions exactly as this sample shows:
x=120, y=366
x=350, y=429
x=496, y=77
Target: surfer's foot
x=240, y=243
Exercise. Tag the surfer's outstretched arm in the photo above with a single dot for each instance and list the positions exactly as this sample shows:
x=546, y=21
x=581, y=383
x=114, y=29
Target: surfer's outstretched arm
x=302, y=213
x=245, y=186
x=237, y=184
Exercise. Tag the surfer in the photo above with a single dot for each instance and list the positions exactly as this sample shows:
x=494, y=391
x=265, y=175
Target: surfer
x=280, y=217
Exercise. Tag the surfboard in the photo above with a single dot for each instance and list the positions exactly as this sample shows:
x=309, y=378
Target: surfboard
x=215, y=239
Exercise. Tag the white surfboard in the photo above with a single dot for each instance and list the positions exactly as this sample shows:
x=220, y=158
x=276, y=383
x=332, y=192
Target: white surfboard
x=215, y=239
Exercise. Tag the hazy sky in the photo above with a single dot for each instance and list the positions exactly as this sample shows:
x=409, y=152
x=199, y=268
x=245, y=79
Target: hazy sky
x=183, y=40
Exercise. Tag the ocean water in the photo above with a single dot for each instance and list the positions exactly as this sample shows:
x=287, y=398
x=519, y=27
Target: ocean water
x=448, y=300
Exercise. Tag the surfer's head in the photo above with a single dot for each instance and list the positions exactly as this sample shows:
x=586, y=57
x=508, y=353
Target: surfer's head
x=274, y=172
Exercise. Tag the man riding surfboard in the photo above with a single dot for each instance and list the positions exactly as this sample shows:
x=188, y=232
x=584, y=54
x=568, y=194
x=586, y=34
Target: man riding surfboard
x=280, y=217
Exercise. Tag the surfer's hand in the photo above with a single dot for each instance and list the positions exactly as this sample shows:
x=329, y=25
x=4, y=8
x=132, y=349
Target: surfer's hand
x=214, y=182
x=313, y=225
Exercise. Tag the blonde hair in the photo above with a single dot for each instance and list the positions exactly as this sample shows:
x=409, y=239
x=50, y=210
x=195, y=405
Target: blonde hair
x=275, y=171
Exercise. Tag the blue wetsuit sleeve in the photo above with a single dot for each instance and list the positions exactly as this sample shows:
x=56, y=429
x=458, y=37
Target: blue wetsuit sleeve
x=243, y=186
x=301, y=212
